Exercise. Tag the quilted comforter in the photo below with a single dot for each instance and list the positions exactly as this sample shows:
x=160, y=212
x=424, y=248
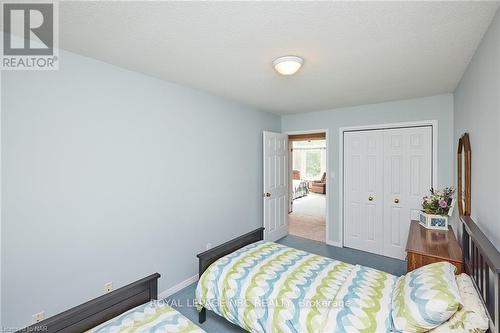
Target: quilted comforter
x=268, y=287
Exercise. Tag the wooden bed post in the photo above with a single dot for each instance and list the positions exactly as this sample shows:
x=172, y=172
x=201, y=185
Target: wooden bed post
x=202, y=316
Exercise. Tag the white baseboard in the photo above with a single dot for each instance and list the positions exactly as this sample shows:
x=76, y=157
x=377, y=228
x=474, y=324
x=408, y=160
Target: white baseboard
x=181, y=285
x=333, y=243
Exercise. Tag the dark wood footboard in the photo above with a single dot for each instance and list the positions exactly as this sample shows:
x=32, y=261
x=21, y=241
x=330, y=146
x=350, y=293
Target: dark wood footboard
x=210, y=256
x=482, y=263
x=99, y=310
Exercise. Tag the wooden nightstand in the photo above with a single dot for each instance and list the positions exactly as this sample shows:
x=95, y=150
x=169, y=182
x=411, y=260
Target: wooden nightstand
x=426, y=246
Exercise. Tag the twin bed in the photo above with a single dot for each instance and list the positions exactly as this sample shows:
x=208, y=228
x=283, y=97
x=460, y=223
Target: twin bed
x=132, y=308
x=267, y=287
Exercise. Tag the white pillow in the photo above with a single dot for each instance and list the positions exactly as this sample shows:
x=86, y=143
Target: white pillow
x=425, y=298
x=472, y=317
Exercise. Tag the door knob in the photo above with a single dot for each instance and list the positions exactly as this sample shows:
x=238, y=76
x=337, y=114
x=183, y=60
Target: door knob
x=396, y=200
x=370, y=198
x=267, y=194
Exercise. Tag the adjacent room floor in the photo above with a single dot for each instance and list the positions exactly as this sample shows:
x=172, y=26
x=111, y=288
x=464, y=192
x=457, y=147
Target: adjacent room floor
x=308, y=217
x=183, y=300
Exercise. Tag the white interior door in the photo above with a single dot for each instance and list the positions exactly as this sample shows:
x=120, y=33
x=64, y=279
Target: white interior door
x=275, y=185
x=386, y=174
x=363, y=190
x=407, y=178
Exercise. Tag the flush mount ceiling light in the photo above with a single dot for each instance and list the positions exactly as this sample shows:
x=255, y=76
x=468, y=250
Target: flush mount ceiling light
x=288, y=65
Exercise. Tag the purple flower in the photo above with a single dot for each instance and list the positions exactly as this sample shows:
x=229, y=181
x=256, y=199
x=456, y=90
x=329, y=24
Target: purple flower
x=443, y=204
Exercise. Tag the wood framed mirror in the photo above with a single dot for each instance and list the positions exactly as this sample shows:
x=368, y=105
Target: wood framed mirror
x=464, y=175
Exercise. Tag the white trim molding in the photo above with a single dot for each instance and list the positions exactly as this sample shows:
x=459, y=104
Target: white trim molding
x=1, y=158
x=329, y=179
x=342, y=130
x=181, y=285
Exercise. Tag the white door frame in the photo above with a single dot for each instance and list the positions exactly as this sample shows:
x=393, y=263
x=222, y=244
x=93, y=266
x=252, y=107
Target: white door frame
x=435, y=138
x=328, y=178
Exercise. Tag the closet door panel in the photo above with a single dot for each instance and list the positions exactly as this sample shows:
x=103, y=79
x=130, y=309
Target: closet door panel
x=394, y=187
x=353, y=151
x=374, y=187
x=407, y=178
x=420, y=168
x=363, y=190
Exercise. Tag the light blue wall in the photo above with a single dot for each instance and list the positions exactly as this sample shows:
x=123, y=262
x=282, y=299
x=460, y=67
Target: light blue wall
x=109, y=175
x=477, y=111
x=438, y=108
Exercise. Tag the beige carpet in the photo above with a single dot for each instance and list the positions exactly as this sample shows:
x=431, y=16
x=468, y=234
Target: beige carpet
x=307, y=226
x=308, y=217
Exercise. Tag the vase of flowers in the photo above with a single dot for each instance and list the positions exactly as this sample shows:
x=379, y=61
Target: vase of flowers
x=436, y=208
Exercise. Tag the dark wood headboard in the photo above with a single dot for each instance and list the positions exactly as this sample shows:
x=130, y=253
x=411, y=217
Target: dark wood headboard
x=210, y=256
x=94, y=312
x=482, y=263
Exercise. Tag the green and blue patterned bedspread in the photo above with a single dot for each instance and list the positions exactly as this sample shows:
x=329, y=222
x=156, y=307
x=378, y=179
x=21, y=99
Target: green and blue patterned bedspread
x=151, y=317
x=268, y=287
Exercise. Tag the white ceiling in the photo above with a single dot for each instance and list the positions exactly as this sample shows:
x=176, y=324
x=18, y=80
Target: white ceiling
x=355, y=52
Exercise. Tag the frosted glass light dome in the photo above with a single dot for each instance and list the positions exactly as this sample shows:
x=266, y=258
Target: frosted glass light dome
x=288, y=65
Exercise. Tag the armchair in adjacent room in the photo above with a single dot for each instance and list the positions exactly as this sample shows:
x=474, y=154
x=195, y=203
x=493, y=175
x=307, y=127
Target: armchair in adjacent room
x=318, y=186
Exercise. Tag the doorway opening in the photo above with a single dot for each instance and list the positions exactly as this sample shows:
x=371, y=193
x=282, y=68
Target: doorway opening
x=308, y=185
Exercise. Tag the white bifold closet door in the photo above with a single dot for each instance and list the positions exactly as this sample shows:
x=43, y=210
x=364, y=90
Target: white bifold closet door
x=386, y=174
x=363, y=190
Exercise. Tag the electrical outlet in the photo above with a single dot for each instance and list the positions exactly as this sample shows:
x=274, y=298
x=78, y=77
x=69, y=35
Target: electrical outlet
x=108, y=287
x=38, y=317
x=209, y=246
